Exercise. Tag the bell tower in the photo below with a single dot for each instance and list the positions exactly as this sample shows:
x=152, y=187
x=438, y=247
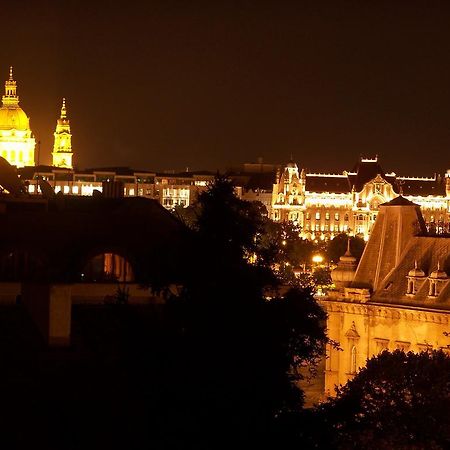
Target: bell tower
x=62, y=147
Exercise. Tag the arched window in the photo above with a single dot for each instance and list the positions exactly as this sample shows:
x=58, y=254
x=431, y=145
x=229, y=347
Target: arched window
x=410, y=289
x=108, y=267
x=353, y=355
x=433, y=291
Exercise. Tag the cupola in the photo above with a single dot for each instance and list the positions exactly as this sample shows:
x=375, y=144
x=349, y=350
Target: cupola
x=344, y=273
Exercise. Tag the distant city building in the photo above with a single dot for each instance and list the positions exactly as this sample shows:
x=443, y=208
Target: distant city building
x=324, y=205
x=321, y=204
x=398, y=297
x=16, y=139
x=62, y=147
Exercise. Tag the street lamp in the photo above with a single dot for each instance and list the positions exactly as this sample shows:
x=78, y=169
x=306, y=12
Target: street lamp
x=317, y=259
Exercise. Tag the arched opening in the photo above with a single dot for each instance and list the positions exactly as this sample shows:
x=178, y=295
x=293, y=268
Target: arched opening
x=410, y=289
x=353, y=355
x=433, y=291
x=108, y=267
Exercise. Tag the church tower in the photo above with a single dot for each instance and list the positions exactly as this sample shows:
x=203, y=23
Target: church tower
x=16, y=140
x=62, y=148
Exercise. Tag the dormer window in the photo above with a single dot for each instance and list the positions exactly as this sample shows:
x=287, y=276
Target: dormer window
x=415, y=278
x=438, y=279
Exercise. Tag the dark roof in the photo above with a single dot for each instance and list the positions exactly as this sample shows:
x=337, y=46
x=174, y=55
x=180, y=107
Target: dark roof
x=254, y=180
x=399, y=201
x=421, y=187
x=335, y=184
x=365, y=170
x=185, y=174
x=72, y=227
x=27, y=173
x=116, y=170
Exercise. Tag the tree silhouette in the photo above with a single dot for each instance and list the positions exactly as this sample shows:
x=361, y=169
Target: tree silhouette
x=242, y=351
x=338, y=246
x=399, y=400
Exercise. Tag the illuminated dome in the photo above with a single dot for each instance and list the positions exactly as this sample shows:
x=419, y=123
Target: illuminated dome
x=416, y=272
x=16, y=140
x=13, y=119
x=439, y=274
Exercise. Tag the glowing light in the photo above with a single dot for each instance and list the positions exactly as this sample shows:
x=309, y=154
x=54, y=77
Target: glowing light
x=62, y=147
x=16, y=141
x=317, y=259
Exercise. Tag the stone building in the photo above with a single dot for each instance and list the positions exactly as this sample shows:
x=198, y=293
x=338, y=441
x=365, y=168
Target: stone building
x=62, y=148
x=16, y=139
x=324, y=205
x=398, y=297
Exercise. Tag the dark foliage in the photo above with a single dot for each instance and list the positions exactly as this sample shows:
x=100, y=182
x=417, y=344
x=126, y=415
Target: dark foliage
x=242, y=352
x=338, y=246
x=397, y=401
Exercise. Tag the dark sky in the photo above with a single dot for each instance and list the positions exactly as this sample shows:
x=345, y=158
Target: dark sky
x=166, y=85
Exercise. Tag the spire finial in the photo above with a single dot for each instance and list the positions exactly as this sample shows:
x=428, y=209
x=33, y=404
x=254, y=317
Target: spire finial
x=415, y=264
x=439, y=265
x=63, y=109
x=11, y=73
x=348, y=252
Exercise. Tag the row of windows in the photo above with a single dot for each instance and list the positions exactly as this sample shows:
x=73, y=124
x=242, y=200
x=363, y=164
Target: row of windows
x=11, y=155
x=87, y=189
x=337, y=216
x=172, y=202
x=326, y=227
x=360, y=217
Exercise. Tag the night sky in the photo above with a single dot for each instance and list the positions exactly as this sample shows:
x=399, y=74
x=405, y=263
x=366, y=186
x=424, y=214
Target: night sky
x=168, y=85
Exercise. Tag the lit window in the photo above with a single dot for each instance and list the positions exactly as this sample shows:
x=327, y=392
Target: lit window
x=327, y=216
x=317, y=215
x=353, y=363
x=336, y=216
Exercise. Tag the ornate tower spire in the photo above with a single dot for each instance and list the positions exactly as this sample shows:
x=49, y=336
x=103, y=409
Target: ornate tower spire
x=10, y=99
x=63, y=109
x=62, y=148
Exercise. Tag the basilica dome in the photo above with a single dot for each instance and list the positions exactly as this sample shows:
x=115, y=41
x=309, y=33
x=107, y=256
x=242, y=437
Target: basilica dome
x=13, y=118
x=16, y=140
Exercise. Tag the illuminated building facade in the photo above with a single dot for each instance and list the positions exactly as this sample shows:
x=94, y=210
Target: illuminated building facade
x=62, y=148
x=17, y=143
x=398, y=297
x=170, y=190
x=324, y=205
